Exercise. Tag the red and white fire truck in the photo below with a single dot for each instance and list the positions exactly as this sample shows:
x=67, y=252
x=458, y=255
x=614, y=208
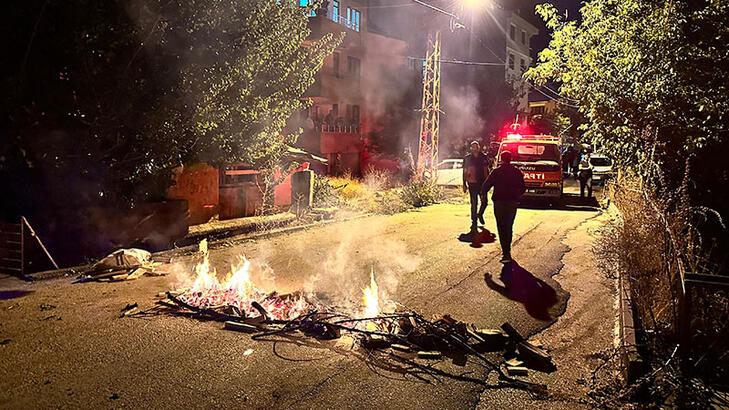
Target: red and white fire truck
x=538, y=157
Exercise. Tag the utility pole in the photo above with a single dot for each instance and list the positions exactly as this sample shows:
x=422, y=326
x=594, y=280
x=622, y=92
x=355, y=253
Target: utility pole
x=430, y=111
x=427, y=165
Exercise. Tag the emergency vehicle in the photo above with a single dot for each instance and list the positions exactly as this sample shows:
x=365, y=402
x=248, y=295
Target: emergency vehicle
x=539, y=159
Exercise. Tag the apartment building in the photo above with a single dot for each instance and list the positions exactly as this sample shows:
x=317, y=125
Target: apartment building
x=518, y=56
x=347, y=95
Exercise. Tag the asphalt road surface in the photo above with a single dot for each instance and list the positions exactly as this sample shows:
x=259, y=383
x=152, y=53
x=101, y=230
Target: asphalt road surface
x=64, y=345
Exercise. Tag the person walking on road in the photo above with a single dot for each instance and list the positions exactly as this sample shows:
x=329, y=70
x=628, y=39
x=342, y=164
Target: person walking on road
x=508, y=184
x=475, y=169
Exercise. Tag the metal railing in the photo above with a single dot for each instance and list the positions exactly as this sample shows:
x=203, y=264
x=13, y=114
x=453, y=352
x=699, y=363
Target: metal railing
x=339, y=19
x=346, y=129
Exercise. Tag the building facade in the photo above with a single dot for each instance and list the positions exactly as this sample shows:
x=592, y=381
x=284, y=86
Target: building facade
x=518, y=56
x=346, y=98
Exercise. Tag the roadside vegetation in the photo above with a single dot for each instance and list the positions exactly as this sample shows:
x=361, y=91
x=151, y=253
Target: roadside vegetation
x=650, y=79
x=378, y=192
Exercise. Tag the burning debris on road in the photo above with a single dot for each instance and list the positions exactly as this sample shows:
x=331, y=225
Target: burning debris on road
x=401, y=333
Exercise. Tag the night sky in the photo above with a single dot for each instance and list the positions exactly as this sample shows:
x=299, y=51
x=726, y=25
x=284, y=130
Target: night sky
x=572, y=7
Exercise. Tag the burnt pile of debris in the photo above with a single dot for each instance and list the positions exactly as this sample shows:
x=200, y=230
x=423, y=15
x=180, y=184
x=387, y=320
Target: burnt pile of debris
x=404, y=334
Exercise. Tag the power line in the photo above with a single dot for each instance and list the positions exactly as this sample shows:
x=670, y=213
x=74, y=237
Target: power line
x=389, y=6
x=550, y=97
x=530, y=84
x=459, y=62
x=560, y=95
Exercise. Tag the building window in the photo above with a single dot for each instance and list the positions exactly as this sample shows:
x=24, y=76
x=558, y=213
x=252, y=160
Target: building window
x=355, y=115
x=335, y=10
x=353, y=66
x=511, y=61
x=335, y=111
x=512, y=32
x=353, y=16
x=336, y=64
x=523, y=66
x=538, y=110
x=304, y=3
x=523, y=37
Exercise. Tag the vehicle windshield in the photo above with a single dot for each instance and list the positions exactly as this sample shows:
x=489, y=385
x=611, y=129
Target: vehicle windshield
x=600, y=161
x=528, y=152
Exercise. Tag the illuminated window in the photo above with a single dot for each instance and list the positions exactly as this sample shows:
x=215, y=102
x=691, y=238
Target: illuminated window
x=304, y=3
x=353, y=17
x=335, y=10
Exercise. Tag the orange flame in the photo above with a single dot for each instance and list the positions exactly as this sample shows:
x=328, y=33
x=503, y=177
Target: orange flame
x=371, y=301
x=238, y=290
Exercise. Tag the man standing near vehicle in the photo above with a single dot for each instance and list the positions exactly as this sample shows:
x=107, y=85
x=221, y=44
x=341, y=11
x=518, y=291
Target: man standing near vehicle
x=585, y=177
x=475, y=169
x=508, y=184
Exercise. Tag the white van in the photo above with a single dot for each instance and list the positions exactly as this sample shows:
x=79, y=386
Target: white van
x=450, y=172
x=602, y=167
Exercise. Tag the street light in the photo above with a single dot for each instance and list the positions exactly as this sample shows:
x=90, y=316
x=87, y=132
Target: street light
x=473, y=5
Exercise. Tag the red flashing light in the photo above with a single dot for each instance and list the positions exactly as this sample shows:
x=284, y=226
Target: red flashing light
x=514, y=131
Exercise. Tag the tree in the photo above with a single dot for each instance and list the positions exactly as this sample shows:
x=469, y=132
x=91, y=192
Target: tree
x=103, y=99
x=565, y=122
x=642, y=70
x=652, y=80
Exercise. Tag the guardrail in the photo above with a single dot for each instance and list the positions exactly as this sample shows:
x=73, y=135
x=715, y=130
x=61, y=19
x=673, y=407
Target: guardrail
x=13, y=238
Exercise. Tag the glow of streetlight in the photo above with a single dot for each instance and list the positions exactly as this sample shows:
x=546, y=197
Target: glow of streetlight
x=474, y=4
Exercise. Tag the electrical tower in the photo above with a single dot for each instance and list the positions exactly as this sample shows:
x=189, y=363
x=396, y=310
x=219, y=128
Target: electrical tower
x=430, y=112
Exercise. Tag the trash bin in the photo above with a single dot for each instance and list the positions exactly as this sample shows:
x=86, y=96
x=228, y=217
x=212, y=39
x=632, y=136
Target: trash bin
x=239, y=200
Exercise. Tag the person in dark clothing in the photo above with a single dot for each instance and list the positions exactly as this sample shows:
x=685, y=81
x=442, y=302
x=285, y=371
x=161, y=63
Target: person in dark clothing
x=585, y=177
x=475, y=169
x=576, y=163
x=567, y=159
x=508, y=184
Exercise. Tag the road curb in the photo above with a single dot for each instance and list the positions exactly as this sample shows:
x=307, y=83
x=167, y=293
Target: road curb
x=218, y=243
x=242, y=228
x=633, y=365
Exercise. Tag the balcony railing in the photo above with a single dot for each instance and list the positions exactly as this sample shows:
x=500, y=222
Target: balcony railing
x=337, y=18
x=346, y=129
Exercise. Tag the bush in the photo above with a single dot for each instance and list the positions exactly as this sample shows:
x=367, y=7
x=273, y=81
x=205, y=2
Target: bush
x=421, y=192
x=348, y=188
x=652, y=242
x=377, y=180
x=325, y=194
x=388, y=203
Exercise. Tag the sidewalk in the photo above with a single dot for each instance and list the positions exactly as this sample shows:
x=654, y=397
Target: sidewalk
x=231, y=227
